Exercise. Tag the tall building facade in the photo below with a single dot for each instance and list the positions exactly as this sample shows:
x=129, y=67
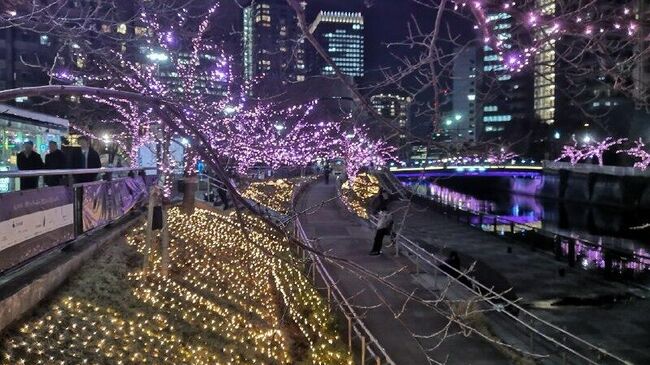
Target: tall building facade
x=395, y=108
x=460, y=125
x=341, y=34
x=642, y=70
x=506, y=97
x=273, y=48
x=545, y=78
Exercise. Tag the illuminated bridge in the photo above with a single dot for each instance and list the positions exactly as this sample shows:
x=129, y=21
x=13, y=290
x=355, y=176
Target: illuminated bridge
x=520, y=170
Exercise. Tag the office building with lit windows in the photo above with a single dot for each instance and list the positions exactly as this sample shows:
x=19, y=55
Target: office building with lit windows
x=506, y=97
x=273, y=49
x=341, y=34
x=395, y=109
x=460, y=124
x=544, y=84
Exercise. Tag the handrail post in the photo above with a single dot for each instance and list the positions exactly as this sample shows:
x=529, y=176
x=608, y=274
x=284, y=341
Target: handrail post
x=329, y=295
x=363, y=350
x=148, y=238
x=572, y=252
x=349, y=332
x=397, y=246
x=165, y=243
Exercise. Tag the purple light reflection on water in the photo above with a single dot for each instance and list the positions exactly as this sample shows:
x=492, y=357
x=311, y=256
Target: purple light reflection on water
x=526, y=209
x=526, y=212
x=594, y=256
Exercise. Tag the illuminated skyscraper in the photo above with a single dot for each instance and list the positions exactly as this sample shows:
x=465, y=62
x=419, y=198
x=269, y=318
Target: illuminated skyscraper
x=394, y=108
x=273, y=48
x=460, y=124
x=506, y=98
x=545, y=98
x=341, y=34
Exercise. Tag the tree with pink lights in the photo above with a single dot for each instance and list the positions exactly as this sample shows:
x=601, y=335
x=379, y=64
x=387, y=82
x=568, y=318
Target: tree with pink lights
x=598, y=148
x=574, y=153
x=588, y=150
x=359, y=150
x=500, y=157
x=640, y=153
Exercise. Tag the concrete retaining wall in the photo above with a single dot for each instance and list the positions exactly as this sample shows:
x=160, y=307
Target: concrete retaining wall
x=21, y=293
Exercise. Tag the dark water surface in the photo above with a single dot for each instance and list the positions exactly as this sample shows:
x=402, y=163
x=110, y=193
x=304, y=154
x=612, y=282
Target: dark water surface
x=601, y=237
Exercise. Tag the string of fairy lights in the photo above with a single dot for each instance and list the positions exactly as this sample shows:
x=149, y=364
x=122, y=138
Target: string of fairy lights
x=234, y=295
x=275, y=194
x=356, y=194
x=214, y=110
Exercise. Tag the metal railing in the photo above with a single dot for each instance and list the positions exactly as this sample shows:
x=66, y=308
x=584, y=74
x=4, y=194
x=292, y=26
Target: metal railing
x=60, y=214
x=591, y=168
x=370, y=350
x=104, y=173
x=568, y=349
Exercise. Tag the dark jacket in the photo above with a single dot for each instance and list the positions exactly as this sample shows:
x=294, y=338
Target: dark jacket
x=78, y=162
x=54, y=161
x=31, y=162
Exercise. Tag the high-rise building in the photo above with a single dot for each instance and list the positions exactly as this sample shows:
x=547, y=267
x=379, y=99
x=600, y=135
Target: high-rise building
x=460, y=124
x=394, y=108
x=545, y=78
x=642, y=70
x=506, y=97
x=273, y=48
x=341, y=34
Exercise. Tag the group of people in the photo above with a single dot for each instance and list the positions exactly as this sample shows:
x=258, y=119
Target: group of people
x=83, y=158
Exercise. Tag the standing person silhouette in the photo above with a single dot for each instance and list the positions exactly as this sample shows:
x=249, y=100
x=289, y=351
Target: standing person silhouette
x=28, y=159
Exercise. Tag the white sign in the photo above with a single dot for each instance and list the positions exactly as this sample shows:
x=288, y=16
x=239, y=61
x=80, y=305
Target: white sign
x=25, y=227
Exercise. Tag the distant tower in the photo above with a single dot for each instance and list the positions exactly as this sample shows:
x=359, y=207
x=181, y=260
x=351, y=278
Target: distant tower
x=507, y=97
x=460, y=124
x=273, y=47
x=394, y=108
x=544, y=84
x=341, y=34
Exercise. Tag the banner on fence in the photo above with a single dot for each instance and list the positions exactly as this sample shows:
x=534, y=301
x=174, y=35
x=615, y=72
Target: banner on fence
x=106, y=201
x=34, y=221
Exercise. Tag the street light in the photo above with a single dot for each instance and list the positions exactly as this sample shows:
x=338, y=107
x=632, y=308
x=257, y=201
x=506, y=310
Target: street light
x=229, y=109
x=157, y=57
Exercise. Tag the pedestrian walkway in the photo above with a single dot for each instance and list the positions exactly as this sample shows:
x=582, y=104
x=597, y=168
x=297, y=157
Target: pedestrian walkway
x=342, y=234
x=616, y=319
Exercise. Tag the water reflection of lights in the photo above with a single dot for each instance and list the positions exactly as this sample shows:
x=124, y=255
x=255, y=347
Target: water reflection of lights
x=525, y=215
x=593, y=256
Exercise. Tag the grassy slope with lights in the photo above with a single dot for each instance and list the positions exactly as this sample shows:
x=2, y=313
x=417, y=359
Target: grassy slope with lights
x=358, y=195
x=275, y=194
x=231, y=298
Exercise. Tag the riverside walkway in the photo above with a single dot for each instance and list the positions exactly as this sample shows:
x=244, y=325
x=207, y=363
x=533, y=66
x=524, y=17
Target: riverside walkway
x=391, y=318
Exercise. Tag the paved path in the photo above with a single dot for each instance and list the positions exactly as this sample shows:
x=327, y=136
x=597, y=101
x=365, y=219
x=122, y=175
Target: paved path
x=622, y=327
x=344, y=235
